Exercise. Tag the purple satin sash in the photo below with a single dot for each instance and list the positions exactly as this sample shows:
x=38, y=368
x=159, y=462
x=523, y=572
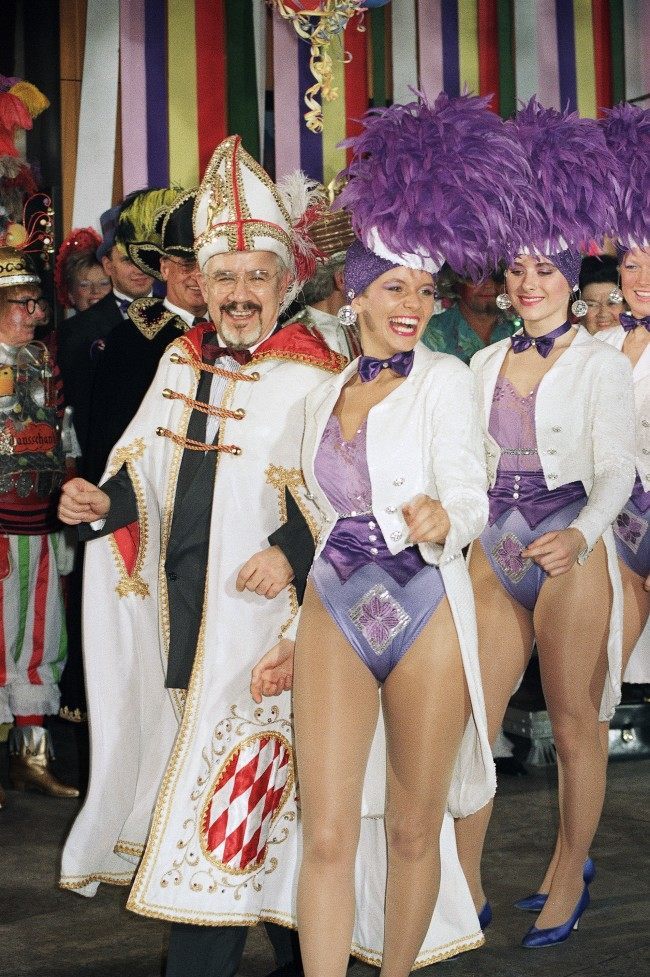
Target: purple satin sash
x=528, y=493
x=640, y=498
x=349, y=548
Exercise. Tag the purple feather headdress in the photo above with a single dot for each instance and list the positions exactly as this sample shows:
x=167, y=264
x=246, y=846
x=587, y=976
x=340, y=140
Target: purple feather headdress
x=627, y=133
x=436, y=183
x=575, y=176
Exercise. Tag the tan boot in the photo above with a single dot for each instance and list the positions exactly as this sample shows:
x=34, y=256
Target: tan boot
x=30, y=753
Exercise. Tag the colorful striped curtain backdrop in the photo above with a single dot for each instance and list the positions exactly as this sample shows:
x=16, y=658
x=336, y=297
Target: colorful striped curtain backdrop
x=194, y=71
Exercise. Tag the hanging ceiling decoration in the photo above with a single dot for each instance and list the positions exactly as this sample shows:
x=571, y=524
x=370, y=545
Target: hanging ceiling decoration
x=318, y=22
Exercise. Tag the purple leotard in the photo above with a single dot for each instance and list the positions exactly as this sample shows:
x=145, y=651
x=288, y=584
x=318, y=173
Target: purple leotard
x=632, y=531
x=380, y=602
x=522, y=508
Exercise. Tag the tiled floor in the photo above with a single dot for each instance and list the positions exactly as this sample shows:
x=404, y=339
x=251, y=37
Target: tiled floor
x=45, y=932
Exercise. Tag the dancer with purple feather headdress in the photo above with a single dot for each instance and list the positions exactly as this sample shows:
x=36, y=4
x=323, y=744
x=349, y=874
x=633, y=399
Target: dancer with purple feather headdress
x=392, y=456
x=558, y=427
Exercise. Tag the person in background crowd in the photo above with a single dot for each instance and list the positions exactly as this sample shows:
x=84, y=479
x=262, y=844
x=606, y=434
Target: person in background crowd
x=32, y=468
x=82, y=337
x=472, y=322
x=323, y=295
x=133, y=349
x=82, y=340
x=79, y=277
x=598, y=283
x=558, y=423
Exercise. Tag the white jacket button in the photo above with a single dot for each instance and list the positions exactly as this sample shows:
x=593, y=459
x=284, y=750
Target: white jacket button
x=399, y=480
x=556, y=430
x=396, y=535
x=391, y=509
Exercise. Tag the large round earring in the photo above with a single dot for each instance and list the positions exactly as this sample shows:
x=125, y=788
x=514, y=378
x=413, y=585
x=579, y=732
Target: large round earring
x=615, y=296
x=503, y=301
x=579, y=307
x=346, y=314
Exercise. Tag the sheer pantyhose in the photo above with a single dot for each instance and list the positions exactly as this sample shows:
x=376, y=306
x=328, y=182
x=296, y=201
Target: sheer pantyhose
x=336, y=704
x=636, y=608
x=570, y=624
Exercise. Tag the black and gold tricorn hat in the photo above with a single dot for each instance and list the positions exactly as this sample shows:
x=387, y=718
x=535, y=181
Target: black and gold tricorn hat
x=176, y=238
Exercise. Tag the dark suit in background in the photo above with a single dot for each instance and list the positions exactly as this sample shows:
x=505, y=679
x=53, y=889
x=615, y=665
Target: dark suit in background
x=79, y=344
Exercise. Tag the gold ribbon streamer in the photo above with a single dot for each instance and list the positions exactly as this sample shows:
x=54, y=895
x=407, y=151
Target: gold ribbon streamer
x=318, y=27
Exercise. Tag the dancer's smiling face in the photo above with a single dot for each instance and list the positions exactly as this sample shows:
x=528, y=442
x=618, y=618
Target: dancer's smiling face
x=244, y=292
x=635, y=281
x=538, y=290
x=394, y=310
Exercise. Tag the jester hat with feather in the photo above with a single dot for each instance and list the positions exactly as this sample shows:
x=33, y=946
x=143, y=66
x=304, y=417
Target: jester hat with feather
x=239, y=208
x=627, y=133
x=575, y=177
x=437, y=182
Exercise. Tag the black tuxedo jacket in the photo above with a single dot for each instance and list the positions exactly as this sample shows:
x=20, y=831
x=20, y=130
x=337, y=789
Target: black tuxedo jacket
x=77, y=357
x=123, y=374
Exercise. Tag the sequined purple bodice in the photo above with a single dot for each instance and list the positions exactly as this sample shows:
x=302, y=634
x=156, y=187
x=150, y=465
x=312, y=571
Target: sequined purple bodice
x=512, y=425
x=520, y=483
x=341, y=469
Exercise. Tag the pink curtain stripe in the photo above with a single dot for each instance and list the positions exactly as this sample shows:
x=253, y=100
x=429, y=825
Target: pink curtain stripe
x=287, y=98
x=430, y=46
x=133, y=95
x=547, y=55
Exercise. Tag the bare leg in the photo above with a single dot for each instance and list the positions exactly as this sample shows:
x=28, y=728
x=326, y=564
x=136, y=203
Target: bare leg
x=426, y=708
x=336, y=705
x=572, y=648
x=505, y=641
x=636, y=607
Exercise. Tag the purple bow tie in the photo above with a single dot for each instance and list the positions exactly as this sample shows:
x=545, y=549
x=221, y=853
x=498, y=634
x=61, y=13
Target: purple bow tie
x=400, y=363
x=629, y=322
x=543, y=344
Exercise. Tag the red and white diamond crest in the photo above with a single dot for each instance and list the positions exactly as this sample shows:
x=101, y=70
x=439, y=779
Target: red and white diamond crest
x=248, y=792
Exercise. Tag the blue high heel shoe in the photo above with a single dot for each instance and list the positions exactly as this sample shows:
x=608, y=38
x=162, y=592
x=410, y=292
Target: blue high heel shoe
x=485, y=916
x=536, y=902
x=557, y=934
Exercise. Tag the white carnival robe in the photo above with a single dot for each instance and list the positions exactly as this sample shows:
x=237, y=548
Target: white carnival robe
x=223, y=843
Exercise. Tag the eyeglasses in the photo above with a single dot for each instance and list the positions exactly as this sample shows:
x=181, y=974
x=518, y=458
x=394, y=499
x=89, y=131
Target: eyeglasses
x=596, y=306
x=87, y=286
x=256, y=281
x=29, y=305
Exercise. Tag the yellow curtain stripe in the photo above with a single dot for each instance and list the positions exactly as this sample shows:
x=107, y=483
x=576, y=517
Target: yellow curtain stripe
x=585, y=64
x=334, y=116
x=468, y=45
x=183, y=121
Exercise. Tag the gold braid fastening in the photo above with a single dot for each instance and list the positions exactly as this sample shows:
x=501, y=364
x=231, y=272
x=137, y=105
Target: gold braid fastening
x=215, y=370
x=191, y=445
x=236, y=415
